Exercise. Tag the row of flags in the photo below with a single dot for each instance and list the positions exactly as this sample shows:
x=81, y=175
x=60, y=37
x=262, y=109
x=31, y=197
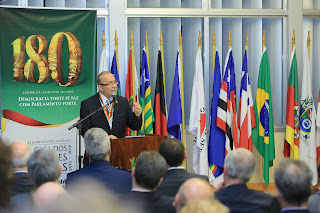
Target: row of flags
x=253, y=124
x=302, y=137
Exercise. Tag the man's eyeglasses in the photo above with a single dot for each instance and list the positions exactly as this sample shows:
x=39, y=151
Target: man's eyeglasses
x=110, y=83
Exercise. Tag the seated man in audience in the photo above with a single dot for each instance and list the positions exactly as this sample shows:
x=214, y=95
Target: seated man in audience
x=173, y=151
x=44, y=166
x=233, y=192
x=47, y=193
x=314, y=200
x=97, y=144
x=192, y=189
x=293, y=182
x=146, y=176
x=20, y=155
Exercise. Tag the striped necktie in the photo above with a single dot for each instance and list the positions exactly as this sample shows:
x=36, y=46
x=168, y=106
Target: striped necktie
x=108, y=105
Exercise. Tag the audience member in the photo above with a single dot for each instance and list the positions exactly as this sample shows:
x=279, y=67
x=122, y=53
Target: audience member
x=233, y=192
x=146, y=176
x=87, y=195
x=47, y=193
x=20, y=155
x=6, y=179
x=205, y=206
x=314, y=200
x=97, y=144
x=173, y=151
x=192, y=189
x=293, y=182
x=44, y=166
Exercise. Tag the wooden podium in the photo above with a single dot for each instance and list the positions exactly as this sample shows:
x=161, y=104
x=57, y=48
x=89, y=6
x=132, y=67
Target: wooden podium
x=124, y=149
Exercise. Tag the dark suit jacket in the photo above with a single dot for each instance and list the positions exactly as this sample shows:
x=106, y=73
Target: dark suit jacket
x=122, y=116
x=238, y=198
x=151, y=203
x=173, y=179
x=22, y=183
x=296, y=211
x=314, y=202
x=117, y=180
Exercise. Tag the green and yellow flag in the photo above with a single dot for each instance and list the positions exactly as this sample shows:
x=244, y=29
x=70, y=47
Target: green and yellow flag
x=263, y=134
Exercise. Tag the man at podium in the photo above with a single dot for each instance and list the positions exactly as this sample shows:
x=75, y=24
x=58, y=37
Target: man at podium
x=117, y=113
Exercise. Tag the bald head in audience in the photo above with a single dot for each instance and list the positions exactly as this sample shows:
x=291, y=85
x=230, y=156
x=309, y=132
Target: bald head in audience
x=20, y=155
x=192, y=189
x=205, y=206
x=47, y=193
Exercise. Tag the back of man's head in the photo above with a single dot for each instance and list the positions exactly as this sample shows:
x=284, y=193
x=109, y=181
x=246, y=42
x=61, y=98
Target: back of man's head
x=150, y=168
x=47, y=193
x=43, y=166
x=293, y=182
x=173, y=151
x=20, y=154
x=240, y=165
x=97, y=143
x=192, y=189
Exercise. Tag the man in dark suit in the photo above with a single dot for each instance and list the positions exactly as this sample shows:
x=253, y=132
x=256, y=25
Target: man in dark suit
x=97, y=144
x=293, y=183
x=116, y=115
x=173, y=151
x=146, y=176
x=313, y=201
x=233, y=192
x=20, y=155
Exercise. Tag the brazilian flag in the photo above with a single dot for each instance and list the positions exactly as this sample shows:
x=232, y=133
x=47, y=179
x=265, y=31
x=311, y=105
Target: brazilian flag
x=263, y=133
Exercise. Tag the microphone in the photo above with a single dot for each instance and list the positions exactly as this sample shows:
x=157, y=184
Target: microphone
x=114, y=98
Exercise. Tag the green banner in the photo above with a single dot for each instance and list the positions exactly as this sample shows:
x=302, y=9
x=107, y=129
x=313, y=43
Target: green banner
x=47, y=64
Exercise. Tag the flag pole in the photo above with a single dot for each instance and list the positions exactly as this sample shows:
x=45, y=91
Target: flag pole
x=116, y=42
x=199, y=40
x=308, y=44
x=229, y=40
x=261, y=158
x=147, y=52
x=213, y=52
x=103, y=40
x=293, y=40
x=163, y=74
x=182, y=91
x=247, y=45
x=133, y=68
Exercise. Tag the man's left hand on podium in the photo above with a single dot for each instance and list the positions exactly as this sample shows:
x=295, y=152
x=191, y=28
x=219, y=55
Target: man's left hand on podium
x=112, y=137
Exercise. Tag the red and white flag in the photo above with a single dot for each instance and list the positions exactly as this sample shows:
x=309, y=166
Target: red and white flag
x=246, y=119
x=227, y=111
x=197, y=122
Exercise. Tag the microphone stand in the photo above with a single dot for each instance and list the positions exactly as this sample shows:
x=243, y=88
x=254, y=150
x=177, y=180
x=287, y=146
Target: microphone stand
x=79, y=127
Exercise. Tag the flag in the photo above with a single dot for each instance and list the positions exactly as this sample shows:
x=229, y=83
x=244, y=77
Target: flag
x=103, y=60
x=197, y=121
x=318, y=129
x=291, y=141
x=175, y=111
x=115, y=72
x=307, y=142
x=246, y=119
x=227, y=115
x=130, y=86
x=263, y=134
x=217, y=138
x=145, y=97
x=160, y=107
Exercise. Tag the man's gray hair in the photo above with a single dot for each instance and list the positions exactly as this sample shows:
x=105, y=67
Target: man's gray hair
x=43, y=166
x=20, y=160
x=97, y=143
x=293, y=180
x=240, y=164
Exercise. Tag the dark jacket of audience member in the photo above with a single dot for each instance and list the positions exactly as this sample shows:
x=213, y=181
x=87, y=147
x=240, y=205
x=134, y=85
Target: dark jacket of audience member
x=238, y=169
x=146, y=176
x=174, y=153
x=97, y=145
